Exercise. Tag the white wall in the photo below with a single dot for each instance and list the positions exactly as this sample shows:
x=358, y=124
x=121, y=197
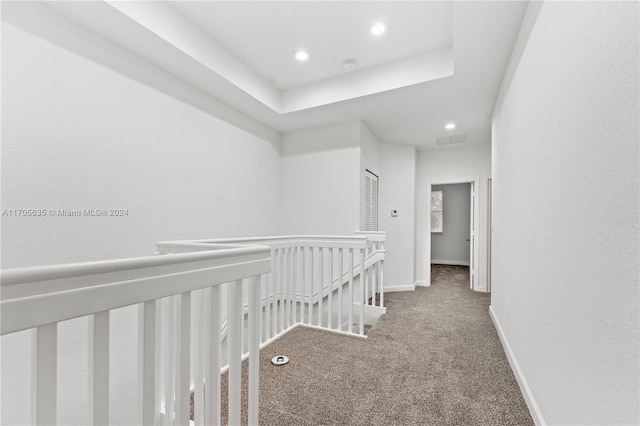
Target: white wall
x=397, y=189
x=566, y=197
x=320, y=175
x=76, y=135
x=451, y=245
x=454, y=165
x=395, y=166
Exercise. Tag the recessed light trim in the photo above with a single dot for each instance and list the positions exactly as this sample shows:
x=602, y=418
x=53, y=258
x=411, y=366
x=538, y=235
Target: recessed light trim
x=378, y=28
x=301, y=55
x=450, y=126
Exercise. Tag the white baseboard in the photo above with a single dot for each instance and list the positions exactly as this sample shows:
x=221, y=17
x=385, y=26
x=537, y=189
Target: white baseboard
x=450, y=262
x=422, y=284
x=534, y=410
x=392, y=288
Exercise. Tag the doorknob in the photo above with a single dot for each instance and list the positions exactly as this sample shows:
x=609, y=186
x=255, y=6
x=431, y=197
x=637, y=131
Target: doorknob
x=468, y=239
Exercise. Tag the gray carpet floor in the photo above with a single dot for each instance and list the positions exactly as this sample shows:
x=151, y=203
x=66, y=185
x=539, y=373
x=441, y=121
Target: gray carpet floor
x=434, y=359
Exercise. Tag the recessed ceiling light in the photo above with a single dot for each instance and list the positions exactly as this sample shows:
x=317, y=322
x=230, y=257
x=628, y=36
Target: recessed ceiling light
x=450, y=126
x=302, y=55
x=378, y=28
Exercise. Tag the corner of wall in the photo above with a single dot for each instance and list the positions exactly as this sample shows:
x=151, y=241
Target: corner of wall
x=526, y=27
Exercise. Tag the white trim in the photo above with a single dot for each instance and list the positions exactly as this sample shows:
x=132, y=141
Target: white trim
x=422, y=284
x=450, y=262
x=393, y=288
x=476, y=218
x=534, y=410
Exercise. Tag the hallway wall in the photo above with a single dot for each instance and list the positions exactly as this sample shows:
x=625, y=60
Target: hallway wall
x=397, y=187
x=77, y=135
x=321, y=180
x=458, y=164
x=566, y=212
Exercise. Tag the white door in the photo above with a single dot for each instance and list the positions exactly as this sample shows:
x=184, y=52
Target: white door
x=472, y=237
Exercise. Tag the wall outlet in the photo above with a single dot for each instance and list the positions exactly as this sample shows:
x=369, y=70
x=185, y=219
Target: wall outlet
x=394, y=213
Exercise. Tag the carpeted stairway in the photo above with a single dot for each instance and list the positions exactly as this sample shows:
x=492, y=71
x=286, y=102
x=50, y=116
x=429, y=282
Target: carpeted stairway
x=434, y=359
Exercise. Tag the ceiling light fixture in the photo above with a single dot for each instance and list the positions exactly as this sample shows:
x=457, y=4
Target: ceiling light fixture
x=378, y=29
x=302, y=55
x=450, y=126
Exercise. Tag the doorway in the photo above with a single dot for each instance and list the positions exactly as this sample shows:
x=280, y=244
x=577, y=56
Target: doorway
x=452, y=228
x=450, y=241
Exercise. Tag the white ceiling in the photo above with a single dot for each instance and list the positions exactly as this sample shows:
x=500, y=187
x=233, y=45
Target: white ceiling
x=438, y=61
x=264, y=35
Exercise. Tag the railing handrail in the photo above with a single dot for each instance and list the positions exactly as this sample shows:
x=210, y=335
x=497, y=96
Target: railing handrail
x=22, y=275
x=355, y=242
x=359, y=241
x=373, y=257
x=251, y=240
x=377, y=236
x=291, y=281
x=49, y=294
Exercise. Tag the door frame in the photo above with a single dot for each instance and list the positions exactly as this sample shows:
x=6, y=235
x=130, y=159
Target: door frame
x=475, y=217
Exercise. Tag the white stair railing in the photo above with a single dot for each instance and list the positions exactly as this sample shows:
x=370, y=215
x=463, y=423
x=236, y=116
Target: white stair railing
x=316, y=281
x=38, y=298
x=374, y=265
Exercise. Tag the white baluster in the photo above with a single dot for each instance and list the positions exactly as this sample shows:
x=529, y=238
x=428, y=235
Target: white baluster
x=99, y=368
x=148, y=412
x=350, y=290
x=198, y=358
x=363, y=286
x=206, y=352
x=364, y=281
x=303, y=282
x=268, y=296
x=295, y=282
x=285, y=287
x=292, y=286
x=254, y=348
x=245, y=290
x=382, y=283
x=312, y=277
x=212, y=390
x=44, y=370
x=158, y=362
x=281, y=287
x=235, y=351
x=374, y=282
x=169, y=386
x=320, y=297
x=330, y=295
x=183, y=341
x=340, y=283
x=296, y=271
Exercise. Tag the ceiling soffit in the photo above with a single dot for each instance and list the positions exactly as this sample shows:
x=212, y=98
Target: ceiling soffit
x=171, y=28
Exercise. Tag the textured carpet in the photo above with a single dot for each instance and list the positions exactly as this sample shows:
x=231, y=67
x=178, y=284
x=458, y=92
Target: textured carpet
x=433, y=359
